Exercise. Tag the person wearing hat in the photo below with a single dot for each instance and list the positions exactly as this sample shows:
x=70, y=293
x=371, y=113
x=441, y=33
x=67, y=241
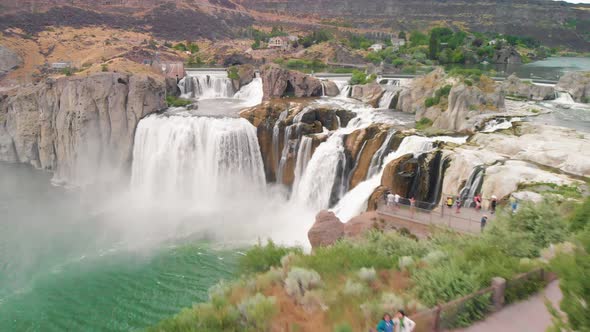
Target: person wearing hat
x=483, y=222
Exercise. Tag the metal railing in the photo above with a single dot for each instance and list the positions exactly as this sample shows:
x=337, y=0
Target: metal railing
x=466, y=220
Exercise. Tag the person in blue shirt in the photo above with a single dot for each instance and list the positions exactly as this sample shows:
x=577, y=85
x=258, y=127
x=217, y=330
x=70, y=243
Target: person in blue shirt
x=386, y=324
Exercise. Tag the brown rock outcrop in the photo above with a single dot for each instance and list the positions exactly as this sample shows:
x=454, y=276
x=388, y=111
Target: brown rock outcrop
x=81, y=128
x=326, y=230
x=368, y=93
x=362, y=145
x=507, y=55
x=245, y=75
x=330, y=89
x=278, y=82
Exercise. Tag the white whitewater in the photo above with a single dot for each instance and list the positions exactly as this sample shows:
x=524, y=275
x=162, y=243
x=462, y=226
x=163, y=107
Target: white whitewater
x=473, y=184
x=206, y=85
x=377, y=158
x=303, y=157
x=250, y=94
x=387, y=97
x=198, y=158
x=355, y=201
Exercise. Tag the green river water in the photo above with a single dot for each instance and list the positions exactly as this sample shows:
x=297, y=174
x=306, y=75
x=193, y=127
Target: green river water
x=61, y=269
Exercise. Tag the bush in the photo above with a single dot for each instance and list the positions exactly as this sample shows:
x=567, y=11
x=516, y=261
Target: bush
x=344, y=327
x=431, y=101
x=104, y=67
x=232, y=73
x=299, y=281
x=257, y=311
x=260, y=258
x=367, y=274
x=423, y=123
x=353, y=288
x=358, y=77
x=542, y=223
x=173, y=101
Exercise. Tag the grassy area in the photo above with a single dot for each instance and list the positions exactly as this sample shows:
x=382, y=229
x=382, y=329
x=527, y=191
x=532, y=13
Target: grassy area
x=423, y=123
x=177, y=102
x=348, y=285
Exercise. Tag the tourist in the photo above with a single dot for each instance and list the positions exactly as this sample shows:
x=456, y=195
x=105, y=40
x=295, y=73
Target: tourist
x=397, y=198
x=458, y=204
x=493, y=204
x=412, y=206
x=404, y=323
x=390, y=200
x=484, y=221
x=449, y=202
x=386, y=324
x=513, y=204
x=477, y=201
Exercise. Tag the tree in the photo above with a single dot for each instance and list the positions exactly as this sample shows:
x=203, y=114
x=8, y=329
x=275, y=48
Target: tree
x=417, y=38
x=433, y=47
x=402, y=35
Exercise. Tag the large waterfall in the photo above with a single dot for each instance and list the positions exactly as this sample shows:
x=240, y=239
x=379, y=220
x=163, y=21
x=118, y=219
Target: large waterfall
x=196, y=157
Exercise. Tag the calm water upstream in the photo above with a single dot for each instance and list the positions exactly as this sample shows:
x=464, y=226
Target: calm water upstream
x=62, y=268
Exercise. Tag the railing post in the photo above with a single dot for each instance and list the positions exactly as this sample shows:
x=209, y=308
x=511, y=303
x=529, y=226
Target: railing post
x=437, y=324
x=499, y=292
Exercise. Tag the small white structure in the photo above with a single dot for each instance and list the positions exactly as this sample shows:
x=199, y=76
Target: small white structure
x=397, y=43
x=61, y=65
x=279, y=42
x=376, y=47
x=293, y=38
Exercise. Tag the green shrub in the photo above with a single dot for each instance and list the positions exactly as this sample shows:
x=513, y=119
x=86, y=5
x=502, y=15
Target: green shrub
x=431, y=101
x=443, y=91
x=104, y=67
x=232, y=73
x=517, y=290
x=580, y=219
x=173, y=101
x=358, y=77
x=257, y=311
x=260, y=258
x=299, y=281
x=423, y=123
x=542, y=222
x=468, y=82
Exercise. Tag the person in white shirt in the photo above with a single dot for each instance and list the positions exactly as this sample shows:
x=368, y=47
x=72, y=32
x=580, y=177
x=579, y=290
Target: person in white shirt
x=403, y=322
x=397, y=198
x=390, y=200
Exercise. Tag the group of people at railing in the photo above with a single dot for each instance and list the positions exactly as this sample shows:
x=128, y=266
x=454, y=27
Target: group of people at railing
x=395, y=201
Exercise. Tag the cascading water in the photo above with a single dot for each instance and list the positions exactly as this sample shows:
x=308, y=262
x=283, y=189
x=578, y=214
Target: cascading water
x=251, y=94
x=377, y=158
x=355, y=201
x=472, y=186
x=303, y=157
x=207, y=85
x=199, y=158
x=387, y=98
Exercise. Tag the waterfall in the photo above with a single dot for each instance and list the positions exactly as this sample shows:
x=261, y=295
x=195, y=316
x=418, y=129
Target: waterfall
x=275, y=138
x=251, y=94
x=472, y=186
x=317, y=182
x=387, y=98
x=355, y=201
x=206, y=86
x=323, y=89
x=564, y=98
x=303, y=157
x=344, y=90
x=202, y=159
x=377, y=158
x=287, y=147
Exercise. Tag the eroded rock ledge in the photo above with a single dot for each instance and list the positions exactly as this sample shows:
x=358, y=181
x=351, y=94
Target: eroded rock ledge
x=81, y=128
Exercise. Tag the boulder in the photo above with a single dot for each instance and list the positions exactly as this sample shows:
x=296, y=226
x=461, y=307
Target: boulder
x=360, y=225
x=330, y=89
x=411, y=98
x=362, y=145
x=245, y=75
x=9, y=60
x=577, y=84
x=278, y=82
x=81, y=128
x=368, y=93
x=507, y=55
x=326, y=230
x=514, y=86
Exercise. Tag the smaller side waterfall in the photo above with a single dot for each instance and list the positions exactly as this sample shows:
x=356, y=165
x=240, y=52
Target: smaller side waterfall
x=387, y=98
x=472, y=186
x=251, y=94
x=206, y=86
x=379, y=155
x=303, y=157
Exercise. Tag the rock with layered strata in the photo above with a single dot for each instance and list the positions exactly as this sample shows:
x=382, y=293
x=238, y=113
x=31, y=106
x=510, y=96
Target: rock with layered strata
x=81, y=128
x=368, y=93
x=514, y=86
x=278, y=82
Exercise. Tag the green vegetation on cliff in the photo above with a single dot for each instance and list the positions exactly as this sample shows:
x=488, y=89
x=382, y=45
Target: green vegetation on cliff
x=349, y=284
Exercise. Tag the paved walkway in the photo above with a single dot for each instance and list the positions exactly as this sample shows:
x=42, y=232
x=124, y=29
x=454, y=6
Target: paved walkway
x=530, y=315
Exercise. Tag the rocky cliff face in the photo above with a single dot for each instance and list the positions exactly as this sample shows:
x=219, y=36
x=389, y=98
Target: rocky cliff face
x=278, y=82
x=507, y=56
x=369, y=93
x=577, y=84
x=9, y=60
x=80, y=128
x=514, y=86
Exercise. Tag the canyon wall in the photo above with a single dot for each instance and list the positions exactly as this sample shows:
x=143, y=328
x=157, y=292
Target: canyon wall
x=80, y=128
